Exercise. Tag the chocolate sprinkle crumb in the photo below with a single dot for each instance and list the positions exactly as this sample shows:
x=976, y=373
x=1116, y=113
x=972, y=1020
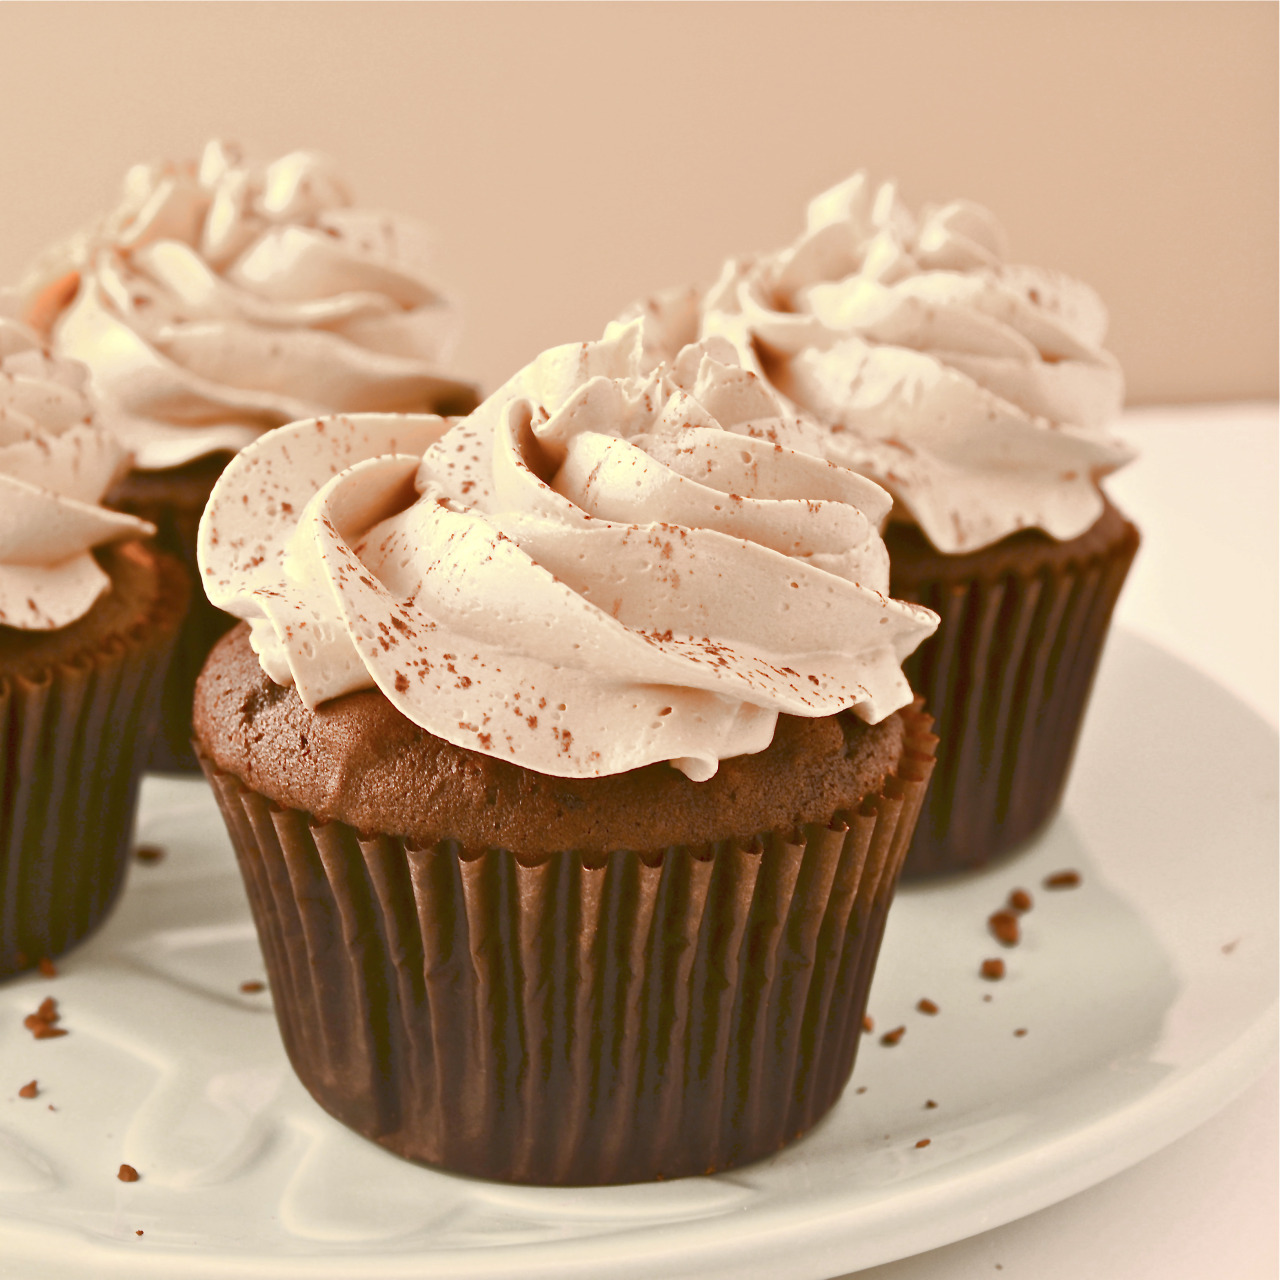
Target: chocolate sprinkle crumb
x=993, y=970
x=127, y=1173
x=891, y=1038
x=47, y=968
x=252, y=987
x=41, y=1023
x=1062, y=880
x=1020, y=900
x=927, y=1006
x=149, y=852
x=29, y=1090
x=924, y=1142
x=1004, y=928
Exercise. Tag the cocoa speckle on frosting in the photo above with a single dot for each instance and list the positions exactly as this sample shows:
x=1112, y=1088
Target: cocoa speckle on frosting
x=593, y=531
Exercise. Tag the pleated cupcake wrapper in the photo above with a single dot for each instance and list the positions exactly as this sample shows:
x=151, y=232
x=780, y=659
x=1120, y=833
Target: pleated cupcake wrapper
x=72, y=747
x=176, y=529
x=564, y=1020
x=1007, y=676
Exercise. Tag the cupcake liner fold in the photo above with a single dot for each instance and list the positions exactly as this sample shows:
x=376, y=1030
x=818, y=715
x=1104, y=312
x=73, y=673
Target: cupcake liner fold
x=1008, y=676
x=174, y=503
x=572, y=1019
x=73, y=741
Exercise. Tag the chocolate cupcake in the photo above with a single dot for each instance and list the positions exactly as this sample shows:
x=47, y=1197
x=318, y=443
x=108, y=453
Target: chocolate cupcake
x=88, y=616
x=569, y=764
x=219, y=300
x=977, y=392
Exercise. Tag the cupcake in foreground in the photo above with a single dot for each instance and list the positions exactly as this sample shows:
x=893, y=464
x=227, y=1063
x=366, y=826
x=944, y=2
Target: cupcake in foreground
x=978, y=393
x=88, y=616
x=219, y=300
x=569, y=764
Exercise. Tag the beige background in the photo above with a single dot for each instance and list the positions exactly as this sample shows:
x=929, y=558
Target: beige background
x=571, y=157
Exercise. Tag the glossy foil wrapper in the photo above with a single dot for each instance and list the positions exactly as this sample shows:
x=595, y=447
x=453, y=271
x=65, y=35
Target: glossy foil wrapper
x=1008, y=675
x=73, y=743
x=571, y=1020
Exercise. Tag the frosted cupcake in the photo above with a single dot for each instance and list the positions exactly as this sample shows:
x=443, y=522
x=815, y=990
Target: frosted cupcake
x=88, y=616
x=978, y=393
x=219, y=300
x=569, y=763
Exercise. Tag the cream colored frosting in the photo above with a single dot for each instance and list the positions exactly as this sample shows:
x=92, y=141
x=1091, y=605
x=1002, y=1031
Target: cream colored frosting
x=600, y=568
x=976, y=391
x=219, y=300
x=55, y=466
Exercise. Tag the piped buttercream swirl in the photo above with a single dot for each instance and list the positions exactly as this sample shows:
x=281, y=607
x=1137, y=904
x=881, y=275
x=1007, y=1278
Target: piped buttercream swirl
x=55, y=465
x=221, y=299
x=976, y=391
x=602, y=567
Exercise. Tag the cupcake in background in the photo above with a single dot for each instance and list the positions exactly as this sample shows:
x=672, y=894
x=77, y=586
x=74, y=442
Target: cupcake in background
x=569, y=763
x=88, y=615
x=219, y=300
x=978, y=392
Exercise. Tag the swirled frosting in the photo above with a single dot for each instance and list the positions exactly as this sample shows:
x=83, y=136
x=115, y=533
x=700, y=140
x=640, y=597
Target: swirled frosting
x=976, y=391
x=599, y=569
x=219, y=300
x=55, y=465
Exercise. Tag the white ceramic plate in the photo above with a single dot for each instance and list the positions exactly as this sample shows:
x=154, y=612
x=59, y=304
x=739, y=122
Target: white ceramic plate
x=1148, y=996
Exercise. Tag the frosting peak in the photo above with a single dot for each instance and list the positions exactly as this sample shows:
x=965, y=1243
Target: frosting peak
x=221, y=299
x=975, y=390
x=604, y=566
x=55, y=465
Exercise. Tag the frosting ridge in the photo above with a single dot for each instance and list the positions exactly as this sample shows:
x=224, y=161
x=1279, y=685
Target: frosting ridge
x=56, y=462
x=604, y=566
x=221, y=299
x=977, y=391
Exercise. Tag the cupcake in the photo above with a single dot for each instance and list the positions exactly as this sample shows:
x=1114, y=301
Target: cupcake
x=88, y=616
x=219, y=300
x=978, y=393
x=569, y=763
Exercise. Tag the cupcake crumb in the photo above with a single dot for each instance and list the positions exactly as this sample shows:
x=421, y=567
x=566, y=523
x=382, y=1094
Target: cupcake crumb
x=252, y=987
x=41, y=1023
x=1062, y=880
x=47, y=968
x=891, y=1038
x=1229, y=947
x=1004, y=928
x=868, y=1024
x=1020, y=900
x=1021, y=1031
x=29, y=1090
x=927, y=1006
x=930, y=1104
x=149, y=853
x=862, y=1088
x=127, y=1173
x=987, y=998
x=924, y=1142
x=993, y=970
x=138, y=1232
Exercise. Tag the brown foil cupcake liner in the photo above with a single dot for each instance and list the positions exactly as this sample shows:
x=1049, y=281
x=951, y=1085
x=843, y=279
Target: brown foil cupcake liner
x=174, y=501
x=568, y=1019
x=73, y=741
x=1007, y=675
